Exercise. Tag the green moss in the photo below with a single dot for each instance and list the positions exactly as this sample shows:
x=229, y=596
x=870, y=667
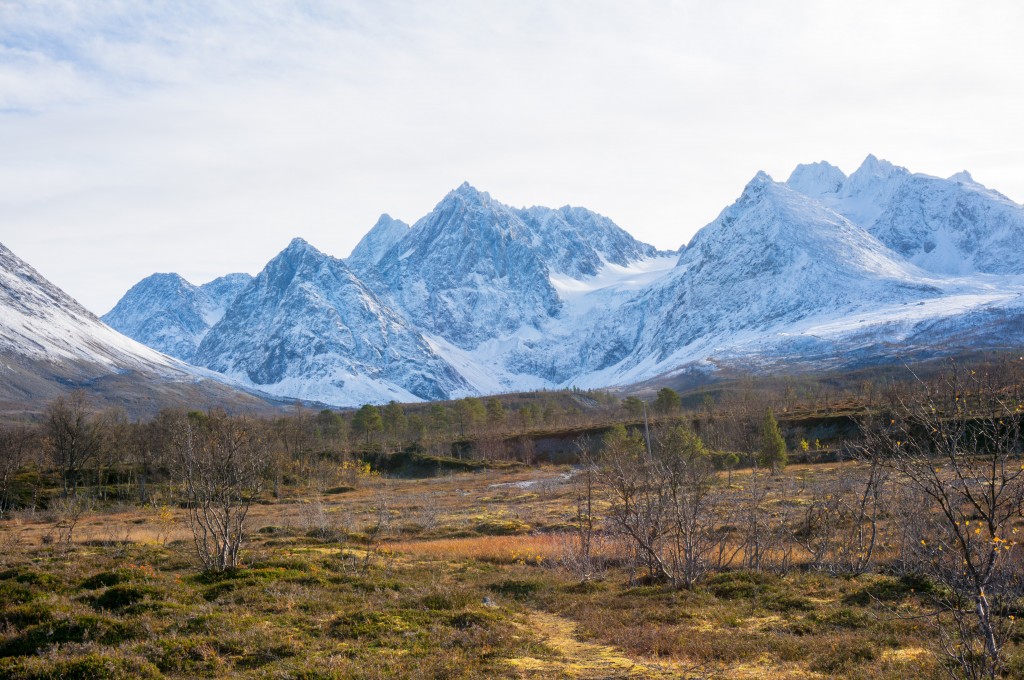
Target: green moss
x=467, y=620
x=16, y=593
x=39, y=579
x=742, y=585
x=94, y=666
x=23, y=615
x=843, y=618
x=493, y=526
x=842, y=656
x=192, y=656
x=446, y=601
x=105, y=579
x=122, y=596
x=519, y=589
x=99, y=629
x=368, y=625
x=586, y=587
x=890, y=589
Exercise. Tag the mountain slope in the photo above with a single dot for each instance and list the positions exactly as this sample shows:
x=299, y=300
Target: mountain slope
x=171, y=315
x=768, y=262
x=948, y=226
x=50, y=344
x=372, y=247
x=307, y=327
x=475, y=270
x=478, y=297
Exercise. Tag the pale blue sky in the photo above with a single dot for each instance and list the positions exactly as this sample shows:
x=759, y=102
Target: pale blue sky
x=200, y=137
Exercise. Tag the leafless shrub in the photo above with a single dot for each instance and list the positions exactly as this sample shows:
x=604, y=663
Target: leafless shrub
x=839, y=528
x=220, y=464
x=955, y=443
x=315, y=520
x=66, y=512
x=666, y=500
x=16, y=445
x=75, y=436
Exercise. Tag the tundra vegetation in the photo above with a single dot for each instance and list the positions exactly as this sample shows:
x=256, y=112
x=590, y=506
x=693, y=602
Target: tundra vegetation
x=785, y=532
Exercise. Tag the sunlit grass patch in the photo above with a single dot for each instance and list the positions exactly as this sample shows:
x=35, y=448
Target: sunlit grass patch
x=530, y=549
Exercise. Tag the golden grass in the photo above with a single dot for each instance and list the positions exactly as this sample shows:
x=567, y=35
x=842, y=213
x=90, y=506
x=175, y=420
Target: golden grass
x=578, y=659
x=535, y=549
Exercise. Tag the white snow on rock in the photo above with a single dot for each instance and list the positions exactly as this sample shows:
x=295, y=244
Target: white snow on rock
x=478, y=297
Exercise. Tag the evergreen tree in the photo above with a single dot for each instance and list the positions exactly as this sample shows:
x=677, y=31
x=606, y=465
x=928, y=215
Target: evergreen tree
x=668, y=401
x=773, y=446
x=366, y=421
x=495, y=412
x=330, y=427
x=394, y=420
x=470, y=413
x=440, y=418
x=633, y=406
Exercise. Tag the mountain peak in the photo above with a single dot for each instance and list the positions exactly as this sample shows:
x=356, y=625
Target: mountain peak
x=298, y=243
x=876, y=167
x=816, y=179
x=467, y=192
x=963, y=176
x=372, y=247
x=165, y=280
x=384, y=220
x=758, y=183
x=297, y=248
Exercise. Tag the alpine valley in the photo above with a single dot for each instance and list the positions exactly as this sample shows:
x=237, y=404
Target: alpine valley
x=823, y=271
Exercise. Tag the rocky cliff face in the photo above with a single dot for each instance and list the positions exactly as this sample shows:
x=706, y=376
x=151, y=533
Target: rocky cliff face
x=947, y=226
x=171, y=315
x=480, y=297
x=306, y=327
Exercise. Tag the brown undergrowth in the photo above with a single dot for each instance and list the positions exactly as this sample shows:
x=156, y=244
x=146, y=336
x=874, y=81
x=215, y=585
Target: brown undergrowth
x=460, y=576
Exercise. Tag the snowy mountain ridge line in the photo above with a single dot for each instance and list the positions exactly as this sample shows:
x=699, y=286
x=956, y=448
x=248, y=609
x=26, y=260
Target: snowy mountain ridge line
x=171, y=315
x=479, y=297
x=50, y=344
x=948, y=226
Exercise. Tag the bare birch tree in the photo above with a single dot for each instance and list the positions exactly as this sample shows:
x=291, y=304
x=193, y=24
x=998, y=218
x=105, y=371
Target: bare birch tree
x=220, y=463
x=956, y=444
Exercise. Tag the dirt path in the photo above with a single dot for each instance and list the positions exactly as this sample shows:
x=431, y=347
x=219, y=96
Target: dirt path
x=579, y=659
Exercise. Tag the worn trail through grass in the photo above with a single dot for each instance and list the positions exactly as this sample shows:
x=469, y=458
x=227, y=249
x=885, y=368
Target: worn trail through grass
x=578, y=659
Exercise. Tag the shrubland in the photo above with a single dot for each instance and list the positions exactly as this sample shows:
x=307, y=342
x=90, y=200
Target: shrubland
x=673, y=541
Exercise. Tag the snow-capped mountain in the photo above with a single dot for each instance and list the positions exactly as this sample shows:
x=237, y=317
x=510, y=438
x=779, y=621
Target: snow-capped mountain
x=474, y=269
x=478, y=297
x=50, y=344
x=773, y=258
x=579, y=243
x=372, y=247
x=169, y=314
x=306, y=327
x=947, y=226
x=467, y=271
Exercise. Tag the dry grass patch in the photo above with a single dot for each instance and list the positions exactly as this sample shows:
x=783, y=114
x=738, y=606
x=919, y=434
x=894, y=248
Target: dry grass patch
x=535, y=549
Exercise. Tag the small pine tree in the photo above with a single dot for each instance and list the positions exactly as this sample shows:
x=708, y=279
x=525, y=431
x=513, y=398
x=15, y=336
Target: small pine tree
x=394, y=420
x=668, y=401
x=495, y=413
x=634, y=407
x=366, y=421
x=773, y=446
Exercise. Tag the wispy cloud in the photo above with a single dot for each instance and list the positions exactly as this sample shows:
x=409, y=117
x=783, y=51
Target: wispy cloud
x=200, y=136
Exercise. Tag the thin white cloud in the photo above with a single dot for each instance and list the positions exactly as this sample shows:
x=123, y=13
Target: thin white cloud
x=199, y=137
